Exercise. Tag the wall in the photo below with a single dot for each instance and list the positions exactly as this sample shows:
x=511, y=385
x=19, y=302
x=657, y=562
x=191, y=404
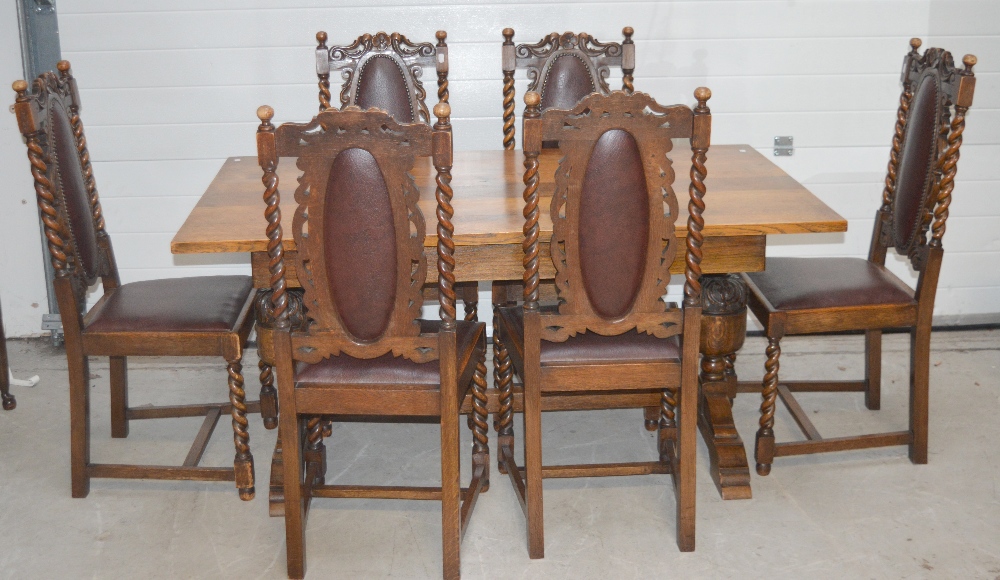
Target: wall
x=170, y=90
x=22, y=287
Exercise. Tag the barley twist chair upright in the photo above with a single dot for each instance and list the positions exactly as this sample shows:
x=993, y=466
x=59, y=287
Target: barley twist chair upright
x=821, y=295
x=610, y=341
x=198, y=316
x=563, y=69
x=361, y=352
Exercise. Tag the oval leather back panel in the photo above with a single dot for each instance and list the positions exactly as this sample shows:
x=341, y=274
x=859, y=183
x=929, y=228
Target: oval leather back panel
x=567, y=81
x=62, y=144
x=917, y=155
x=614, y=224
x=360, y=244
x=381, y=85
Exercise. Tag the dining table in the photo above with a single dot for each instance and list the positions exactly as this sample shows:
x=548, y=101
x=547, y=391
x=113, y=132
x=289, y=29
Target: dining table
x=748, y=198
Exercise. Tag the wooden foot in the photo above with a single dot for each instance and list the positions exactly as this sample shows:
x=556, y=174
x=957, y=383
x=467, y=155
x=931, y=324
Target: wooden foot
x=727, y=455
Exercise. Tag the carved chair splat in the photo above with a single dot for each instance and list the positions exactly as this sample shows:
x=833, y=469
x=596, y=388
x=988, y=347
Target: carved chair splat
x=353, y=346
x=200, y=316
x=821, y=295
x=609, y=341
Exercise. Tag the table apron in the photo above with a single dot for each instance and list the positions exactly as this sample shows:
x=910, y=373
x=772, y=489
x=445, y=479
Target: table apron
x=722, y=255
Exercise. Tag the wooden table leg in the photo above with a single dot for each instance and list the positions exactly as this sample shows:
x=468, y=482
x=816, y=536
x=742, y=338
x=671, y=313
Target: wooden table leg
x=723, y=328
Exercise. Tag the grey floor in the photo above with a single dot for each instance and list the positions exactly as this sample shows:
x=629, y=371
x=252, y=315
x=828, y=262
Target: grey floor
x=868, y=514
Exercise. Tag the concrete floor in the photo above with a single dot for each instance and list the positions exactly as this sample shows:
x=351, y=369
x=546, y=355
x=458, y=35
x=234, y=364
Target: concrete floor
x=865, y=514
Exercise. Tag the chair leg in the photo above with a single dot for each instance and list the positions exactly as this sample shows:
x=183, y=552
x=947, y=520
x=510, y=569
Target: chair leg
x=480, y=428
x=873, y=369
x=533, y=468
x=687, y=442
x=470, y=299
x=295, y=521
x=920, y=347
x=243, y=462
x=268, y=395
x=764, y=450
x=505, y=415
x=9, y=403
x=79, y=419
x=315, y=452
x=667, y=444
x=451, y=495
x=119, y=397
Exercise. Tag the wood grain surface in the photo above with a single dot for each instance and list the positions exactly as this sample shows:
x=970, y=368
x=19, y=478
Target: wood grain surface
x=748, y=196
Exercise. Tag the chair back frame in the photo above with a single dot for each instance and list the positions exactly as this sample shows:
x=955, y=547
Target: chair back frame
x=394, y=147
x=578, y=130
x=934, y=74
x=72, y=219
x=411, y=59
x=596, y=57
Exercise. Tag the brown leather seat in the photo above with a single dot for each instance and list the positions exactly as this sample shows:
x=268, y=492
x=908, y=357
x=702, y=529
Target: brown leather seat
x=200, y=304
x=807, y=283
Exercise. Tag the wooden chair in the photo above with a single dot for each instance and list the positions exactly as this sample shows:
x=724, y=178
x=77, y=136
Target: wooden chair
x=563, y=68
x=360, y=351
x=818, y=295
x=611, y=341
x=203, y=316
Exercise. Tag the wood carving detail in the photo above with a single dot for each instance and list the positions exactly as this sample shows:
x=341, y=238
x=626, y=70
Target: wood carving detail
x=410, y=57
x=597, y=57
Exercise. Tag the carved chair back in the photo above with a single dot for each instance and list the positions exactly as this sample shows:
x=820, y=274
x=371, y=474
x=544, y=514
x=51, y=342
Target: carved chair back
x=563, y=69
x=383, y=71
x=78, y=244
x=614, y=211
x=358, y=231
x=924, y=157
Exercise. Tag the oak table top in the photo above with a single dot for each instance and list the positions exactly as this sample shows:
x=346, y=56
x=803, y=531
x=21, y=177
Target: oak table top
x=748, y=196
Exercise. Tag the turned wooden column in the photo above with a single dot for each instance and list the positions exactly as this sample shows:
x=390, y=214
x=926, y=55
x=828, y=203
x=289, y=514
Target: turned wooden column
x=723, y=329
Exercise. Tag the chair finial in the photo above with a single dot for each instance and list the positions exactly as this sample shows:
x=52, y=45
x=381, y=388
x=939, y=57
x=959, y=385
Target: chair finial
x=627, y=31
x=265, y=113
x=508, y=35
x=703, y=94
x=442, y=110
x=441, y=35
x=321, y=38
x=19, y=86
x=532, y=99
x=915, y=44
x=969, y=61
